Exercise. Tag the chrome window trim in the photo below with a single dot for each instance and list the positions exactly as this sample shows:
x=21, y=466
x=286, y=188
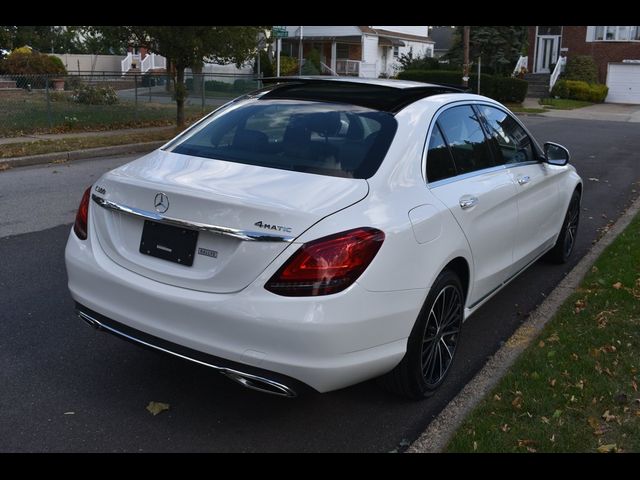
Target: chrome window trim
x=459, y=103
x=246, y=235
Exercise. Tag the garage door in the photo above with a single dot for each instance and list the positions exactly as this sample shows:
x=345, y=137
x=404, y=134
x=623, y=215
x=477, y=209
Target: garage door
x=623, y=80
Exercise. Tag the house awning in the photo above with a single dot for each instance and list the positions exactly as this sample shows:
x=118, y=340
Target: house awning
x=390, y=42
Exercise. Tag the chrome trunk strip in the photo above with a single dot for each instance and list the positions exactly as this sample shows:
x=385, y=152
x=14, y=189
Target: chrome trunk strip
x=247, y=235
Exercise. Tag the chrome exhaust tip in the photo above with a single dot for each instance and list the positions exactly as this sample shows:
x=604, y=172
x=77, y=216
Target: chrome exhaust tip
x=89, y=320
x=260, y=384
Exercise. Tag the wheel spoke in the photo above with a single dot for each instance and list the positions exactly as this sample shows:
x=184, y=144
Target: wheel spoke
x=446, y=348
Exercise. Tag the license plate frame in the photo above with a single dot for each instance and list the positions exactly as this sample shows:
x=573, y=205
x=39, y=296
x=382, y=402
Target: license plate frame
x=168, y=242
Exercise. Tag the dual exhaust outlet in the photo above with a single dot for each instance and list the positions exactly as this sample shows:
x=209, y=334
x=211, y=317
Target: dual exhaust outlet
x=247, y=380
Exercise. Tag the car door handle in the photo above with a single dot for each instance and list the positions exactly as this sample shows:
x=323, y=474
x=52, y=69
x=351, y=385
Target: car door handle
x=524, y=180
x=468, y=201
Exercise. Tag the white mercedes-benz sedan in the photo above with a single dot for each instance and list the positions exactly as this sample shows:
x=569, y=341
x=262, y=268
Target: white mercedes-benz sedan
x=320, y=232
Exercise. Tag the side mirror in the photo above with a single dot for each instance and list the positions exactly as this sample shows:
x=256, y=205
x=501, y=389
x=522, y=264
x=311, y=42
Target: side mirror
x=555, y=154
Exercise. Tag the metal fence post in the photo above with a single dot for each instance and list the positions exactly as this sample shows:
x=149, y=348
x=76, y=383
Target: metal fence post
x=135, y=90
x=202, y=93
x=46, y=82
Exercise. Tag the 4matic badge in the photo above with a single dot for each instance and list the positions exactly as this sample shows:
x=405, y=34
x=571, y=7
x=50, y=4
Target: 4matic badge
x=277, y=228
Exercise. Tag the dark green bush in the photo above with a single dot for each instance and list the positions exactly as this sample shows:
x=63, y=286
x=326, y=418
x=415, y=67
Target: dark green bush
x=33, y=63
x=502, y=89
x=578, y=90
x=243, y=85
x=267, y=67
x=152, y=80
x=581, y=67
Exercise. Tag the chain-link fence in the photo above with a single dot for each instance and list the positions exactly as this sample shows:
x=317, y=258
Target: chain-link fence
x=101, y=101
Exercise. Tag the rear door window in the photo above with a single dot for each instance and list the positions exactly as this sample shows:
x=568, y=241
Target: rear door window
x=439, y=161
x=462, y=131
x=315, y=137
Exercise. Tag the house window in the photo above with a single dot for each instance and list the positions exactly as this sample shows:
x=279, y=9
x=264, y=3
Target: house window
x=553, y=30
x=396, y=51
x=342, y=51
x=615, y=33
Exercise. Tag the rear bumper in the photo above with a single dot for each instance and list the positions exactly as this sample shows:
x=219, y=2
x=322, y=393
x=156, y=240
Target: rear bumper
x=326, y=342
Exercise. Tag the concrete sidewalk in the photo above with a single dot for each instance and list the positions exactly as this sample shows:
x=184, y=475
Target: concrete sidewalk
x=102, y=133
x=608, y=112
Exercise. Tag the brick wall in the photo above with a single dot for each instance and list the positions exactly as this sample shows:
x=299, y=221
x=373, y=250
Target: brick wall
x=574, y=38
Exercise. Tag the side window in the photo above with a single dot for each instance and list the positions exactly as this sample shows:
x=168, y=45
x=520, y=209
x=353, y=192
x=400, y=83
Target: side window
x=439, y=162
x=511, y=143
x=462, y=131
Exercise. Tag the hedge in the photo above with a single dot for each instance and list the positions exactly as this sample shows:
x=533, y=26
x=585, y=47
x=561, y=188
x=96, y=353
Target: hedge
x=502, y=89
x=578, y=90
x=240, y=85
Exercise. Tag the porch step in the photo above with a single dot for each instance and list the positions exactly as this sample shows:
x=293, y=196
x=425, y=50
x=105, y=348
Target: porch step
x=538, y=84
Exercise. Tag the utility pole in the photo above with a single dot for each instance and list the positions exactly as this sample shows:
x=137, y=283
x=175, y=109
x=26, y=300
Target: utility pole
x=300, y=54
x=465, y=66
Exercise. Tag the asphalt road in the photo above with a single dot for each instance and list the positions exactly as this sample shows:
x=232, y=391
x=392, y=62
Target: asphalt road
x=66, y=387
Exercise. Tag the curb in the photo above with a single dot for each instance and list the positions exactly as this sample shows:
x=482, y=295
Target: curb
x=77, y=155
x=437, y=435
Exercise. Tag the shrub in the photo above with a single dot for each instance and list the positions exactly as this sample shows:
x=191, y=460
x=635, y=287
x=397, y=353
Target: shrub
x=578, y=90
x=90, y=95
x=288, y=65
x=32, y=63
x=502, y=89
x=581, y=67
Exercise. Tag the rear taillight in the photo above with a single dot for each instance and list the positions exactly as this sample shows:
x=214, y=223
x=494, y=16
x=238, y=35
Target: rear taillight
x=80, y=227
x=327, y=265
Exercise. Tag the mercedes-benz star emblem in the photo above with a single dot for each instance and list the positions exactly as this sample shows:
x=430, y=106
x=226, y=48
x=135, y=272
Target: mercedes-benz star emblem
x=161, y=203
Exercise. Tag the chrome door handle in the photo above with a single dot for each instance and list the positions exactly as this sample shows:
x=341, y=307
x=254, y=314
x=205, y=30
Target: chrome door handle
x=524, y=180
x=468, y=201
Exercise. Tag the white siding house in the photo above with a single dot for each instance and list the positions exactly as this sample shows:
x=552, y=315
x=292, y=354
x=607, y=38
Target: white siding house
x=362, y=51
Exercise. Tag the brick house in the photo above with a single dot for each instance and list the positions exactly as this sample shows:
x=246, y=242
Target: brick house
x=615, y=49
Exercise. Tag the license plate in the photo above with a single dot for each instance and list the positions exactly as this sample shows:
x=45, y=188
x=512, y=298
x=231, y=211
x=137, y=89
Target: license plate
x=167, y=242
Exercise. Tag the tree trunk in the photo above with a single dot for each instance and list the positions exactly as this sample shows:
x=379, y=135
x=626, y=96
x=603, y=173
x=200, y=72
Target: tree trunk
x=169, y=76
x=197, y=78
x=181, y=94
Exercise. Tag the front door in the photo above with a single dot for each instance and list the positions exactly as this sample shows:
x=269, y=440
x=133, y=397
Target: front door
x=547, y=52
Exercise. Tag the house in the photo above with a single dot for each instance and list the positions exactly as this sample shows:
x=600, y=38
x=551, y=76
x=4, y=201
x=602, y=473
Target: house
x=615, y=49
x=361, y=51
x=443, y=38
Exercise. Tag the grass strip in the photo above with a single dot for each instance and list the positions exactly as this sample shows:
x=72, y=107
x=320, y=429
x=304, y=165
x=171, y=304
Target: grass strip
x=575, y=389
x=563, y=103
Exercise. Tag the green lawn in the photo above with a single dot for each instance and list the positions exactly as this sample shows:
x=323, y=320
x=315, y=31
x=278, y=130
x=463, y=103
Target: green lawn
x=575, y=389
x=518, y=108
x=563, y=103
x=24, y=113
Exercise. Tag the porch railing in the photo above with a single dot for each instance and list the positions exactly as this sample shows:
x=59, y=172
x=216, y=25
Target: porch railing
x=348, y=67
x=126, y=63
x=562, y=61
x=324, y=68
x=522, y=62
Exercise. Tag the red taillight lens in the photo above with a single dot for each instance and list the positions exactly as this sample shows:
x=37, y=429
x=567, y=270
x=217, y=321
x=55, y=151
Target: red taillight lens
x=80, y=227
x=327, y=265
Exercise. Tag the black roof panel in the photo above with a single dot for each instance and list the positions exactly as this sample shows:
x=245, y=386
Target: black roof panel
x=378, y=95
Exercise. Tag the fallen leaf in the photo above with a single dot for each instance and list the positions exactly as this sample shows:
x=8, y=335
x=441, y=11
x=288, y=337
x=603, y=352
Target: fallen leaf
x=593, y=422
x=475, y=446
x=557, y=414
x=553, y=338
x=497, y=397
x=531, y=450
x=634, y=385
x=157, y=407
x=552, y=382
x=544, y=419
x=4, y=166
x=580, y=385
x=607, y=417
x=553, y=438
x=525, y=442
x=541, y=344
x=69, y=413
x=575, y=356
x=594, y=179
x=517, y=402
x=617, y=285
x=610, y=447
x=505, y=428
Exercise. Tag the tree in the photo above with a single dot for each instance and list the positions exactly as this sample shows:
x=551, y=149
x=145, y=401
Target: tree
x=499, y=46
x=186, y=46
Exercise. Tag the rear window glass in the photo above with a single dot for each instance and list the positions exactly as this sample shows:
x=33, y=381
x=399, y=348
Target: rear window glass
x=315, y=137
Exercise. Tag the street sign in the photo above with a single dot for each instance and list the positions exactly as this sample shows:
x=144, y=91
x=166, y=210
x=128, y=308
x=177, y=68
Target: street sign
x=280, y=32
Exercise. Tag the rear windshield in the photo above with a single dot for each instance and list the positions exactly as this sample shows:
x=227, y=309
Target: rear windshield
x=328, y=139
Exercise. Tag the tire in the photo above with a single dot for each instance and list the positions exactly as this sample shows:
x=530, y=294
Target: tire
x=566, y=241
x=432, y=345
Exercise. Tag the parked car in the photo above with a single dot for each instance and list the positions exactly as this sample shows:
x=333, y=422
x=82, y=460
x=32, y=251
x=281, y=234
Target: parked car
x=319, y=233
